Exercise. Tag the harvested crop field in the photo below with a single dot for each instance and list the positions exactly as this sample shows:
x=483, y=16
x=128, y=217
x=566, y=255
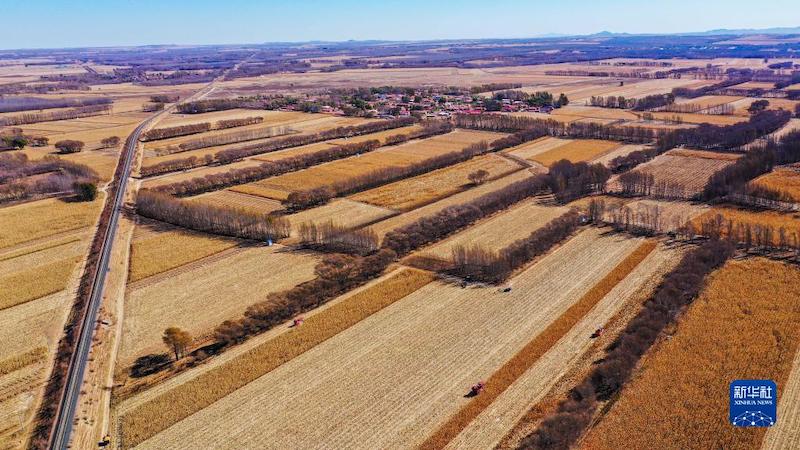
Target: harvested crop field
x=342, y=212
x=774, y=103
x=413, y=192
x=30, y=284
x=531, y=149
x=709, y=101
x=391, y=223
x=202, y=297
x=786, y=433
x=671, y=215
x=162, y=248
x=622, y=150
x=782, y=179
x=591, y=112
x=399, y=155
x=239, y=200
x=790, y=222
x=284, y=345
x=500, y=230
x=576, y=151
x=32, y=221
x=752, y=304
x=399, y=373
x=690, y=170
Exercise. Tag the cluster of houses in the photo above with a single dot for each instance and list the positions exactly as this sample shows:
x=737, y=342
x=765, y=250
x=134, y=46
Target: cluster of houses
x=424, y=104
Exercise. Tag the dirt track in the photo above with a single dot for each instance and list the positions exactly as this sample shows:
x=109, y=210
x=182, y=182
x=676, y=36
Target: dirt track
x=392, y=378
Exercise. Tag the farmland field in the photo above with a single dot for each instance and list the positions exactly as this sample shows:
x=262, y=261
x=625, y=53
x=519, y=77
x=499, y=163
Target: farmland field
x=400, y=155
x=576, y=151
x=684, y=381
x=158, y=251
x=201, y=297
x=777, y=220
x=689, y=169
x=391, y=223
x=342, y=212
x=782, y=179
x=517, y=223
x=699, y=118
x=531, y=149
x=32, y=221
x=410, y=193
x=386, y=391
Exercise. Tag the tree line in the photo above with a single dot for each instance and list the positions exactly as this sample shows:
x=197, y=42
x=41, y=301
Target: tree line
x=22, y=179
x=706, y=90
x=733, y=178
x=48, y=116
x=726, y=137
x=222, y=220
x=478, y=264
x=641, y=104
x=549, y=127
x=758, y=237
x=680, y=287
x=330, y=237
x=229, y=138
x=170, y=132
x=244, y=121
x=235, y=154
x=14, y=104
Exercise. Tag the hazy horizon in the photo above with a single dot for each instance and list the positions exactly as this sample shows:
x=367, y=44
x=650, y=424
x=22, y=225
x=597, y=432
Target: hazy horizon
x=94, y=23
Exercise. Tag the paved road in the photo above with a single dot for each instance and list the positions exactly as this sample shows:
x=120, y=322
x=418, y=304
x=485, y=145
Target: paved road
x=68, y=403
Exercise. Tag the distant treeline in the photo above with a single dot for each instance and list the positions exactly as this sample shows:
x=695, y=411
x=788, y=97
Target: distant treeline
x=12, y=104
x=562, y=429
x=636, y=104
x=706, y=90
x=549, y=127
x=222, y=220
x=170, y=132
x=47, y=116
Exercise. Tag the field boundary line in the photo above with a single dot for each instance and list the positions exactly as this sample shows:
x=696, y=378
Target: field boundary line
x=501, y=379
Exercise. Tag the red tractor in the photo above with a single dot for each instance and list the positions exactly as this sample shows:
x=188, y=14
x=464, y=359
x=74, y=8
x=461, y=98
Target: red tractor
x=598, y=332
x=297, y=322
x=476, y=389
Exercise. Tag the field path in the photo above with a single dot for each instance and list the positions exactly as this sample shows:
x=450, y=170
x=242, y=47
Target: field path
x=786, y=433
x=489, y=428
x=391, y=379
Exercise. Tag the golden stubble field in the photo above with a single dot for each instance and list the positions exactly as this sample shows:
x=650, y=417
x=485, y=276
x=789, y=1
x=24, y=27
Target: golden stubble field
x=397, y=374
x=752, y=304
x=204, y=295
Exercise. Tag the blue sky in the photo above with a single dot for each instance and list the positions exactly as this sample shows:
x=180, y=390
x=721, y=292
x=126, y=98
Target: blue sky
x=69, y=23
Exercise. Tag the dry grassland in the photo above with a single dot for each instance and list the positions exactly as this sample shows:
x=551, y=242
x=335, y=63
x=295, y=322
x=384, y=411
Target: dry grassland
x=705, y=154
x=32, y=221
x=531, y=149
x=342, y=212
x=672, y=214
x=498, y=231
x=652, y=87
x=790, y=222
x=755, y=85
x=400, y=155
x=576, y=151
x=708, y=101
x=237, y=199
x=391, y=379
x=523, y=360
x=186, y=399
x=21, y=360
x=774, y=103
x=692, y=171
x=743, y=326
x=29, y=258
x=199, y=299
x=161, y=251
x=786, y=180
x=410, y=193
x=391, y=223
x=270, y=117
